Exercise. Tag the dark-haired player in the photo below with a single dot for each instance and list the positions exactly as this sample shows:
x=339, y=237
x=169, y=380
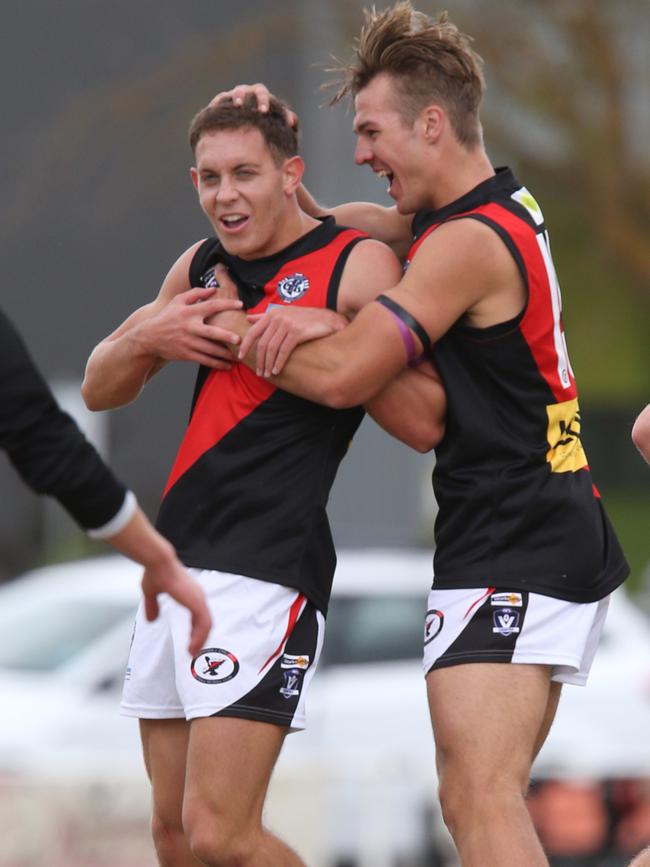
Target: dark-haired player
x=245, y=501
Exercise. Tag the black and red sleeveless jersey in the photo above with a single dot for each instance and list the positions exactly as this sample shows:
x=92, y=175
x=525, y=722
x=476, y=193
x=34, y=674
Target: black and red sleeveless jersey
x=248, y=490
x=517, y=505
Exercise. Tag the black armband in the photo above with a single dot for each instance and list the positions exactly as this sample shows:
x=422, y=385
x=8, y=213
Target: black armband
x=409, y=320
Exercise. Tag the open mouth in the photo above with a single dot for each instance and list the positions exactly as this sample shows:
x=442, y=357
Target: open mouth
x=233, y=222
x=385, y=173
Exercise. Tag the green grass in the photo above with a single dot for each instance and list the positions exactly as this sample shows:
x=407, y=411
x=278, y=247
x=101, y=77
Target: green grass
x=629, y=511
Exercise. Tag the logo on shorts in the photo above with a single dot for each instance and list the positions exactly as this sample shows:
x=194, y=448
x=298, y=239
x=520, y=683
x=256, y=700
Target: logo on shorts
x=505, y=621
x=292, y=682
x=293, y=287
x=214, y=665
x=433, y=624
x=507, y=598
x=289, y=660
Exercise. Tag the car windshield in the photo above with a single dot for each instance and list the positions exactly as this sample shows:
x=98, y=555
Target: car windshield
x=41, y=634
x=373, y=629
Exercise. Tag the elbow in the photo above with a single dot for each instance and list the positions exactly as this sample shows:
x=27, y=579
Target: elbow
x=340, y=392
x=89, y=398
x=641, y=437
x=93, y=398
x=428, y=438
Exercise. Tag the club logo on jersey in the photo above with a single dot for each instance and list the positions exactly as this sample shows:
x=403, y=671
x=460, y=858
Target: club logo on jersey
x=293, y=287
x=512, y=599
x=505, y=621
x=214, y=665
x=290, y=660
x=209, y=279
x=433, y=624
x=565, y=454
x=291, y=682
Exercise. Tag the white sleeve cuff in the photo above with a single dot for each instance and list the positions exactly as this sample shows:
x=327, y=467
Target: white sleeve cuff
x=119, y=521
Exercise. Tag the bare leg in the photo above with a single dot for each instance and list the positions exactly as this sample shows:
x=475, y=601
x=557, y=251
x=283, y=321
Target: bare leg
x=164, y=744
x=489, y=720
x=229, y=767
x=549, y=716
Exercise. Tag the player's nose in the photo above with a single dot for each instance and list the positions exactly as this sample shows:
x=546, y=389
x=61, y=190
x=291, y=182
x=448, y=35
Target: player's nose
x=362, y=153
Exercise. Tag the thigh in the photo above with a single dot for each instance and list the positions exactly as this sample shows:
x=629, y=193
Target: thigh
x=487, y=718
x=229, y=766
x=164, y=746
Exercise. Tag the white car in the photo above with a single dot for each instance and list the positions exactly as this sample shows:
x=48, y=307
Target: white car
x=358, y=787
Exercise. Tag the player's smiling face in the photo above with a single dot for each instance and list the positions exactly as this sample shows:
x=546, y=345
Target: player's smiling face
x=242, y=191
x=389, y=145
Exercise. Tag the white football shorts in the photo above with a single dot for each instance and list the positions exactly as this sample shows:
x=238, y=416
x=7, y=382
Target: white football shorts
x=257, y=663
x=495, y=625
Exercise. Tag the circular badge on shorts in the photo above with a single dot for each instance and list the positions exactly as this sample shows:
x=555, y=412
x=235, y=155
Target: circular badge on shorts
x=432, y=624
x=214, y=665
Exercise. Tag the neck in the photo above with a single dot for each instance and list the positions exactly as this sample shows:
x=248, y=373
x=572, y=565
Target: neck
x=457, y=174
x=296, y=224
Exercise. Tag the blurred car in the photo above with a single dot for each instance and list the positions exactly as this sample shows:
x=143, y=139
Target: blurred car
x=360, y=779
x=358, y=787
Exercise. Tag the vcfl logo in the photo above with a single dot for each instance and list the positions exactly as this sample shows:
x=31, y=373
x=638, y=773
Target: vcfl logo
x=505, y=621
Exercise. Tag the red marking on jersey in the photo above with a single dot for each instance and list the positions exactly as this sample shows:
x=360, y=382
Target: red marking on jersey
x=237, y=392
x=294, y=613
x=227, y=397
x=538, y=322
x=317, y=266
x=483, y=596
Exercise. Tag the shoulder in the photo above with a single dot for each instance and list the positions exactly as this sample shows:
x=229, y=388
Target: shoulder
x=371, y=268
x=463, y=244
x=178, y=277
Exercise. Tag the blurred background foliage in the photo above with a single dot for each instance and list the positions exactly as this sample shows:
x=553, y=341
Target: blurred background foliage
x=97, y=205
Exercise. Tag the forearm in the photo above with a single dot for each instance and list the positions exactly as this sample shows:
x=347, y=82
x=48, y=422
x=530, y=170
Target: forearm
x=139, y=540
x=412, y=409
x=343, y=370
x=117, y=370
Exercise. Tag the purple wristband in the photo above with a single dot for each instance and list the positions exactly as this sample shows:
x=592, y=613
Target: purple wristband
x=407, y=337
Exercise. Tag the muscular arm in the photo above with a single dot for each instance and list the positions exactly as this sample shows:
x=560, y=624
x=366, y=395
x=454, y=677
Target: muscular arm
x=384, y=224
x=172, y=327
x=461, y=269
x=411, y=407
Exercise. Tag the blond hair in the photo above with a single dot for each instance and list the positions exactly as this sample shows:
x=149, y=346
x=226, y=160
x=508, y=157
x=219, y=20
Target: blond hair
x=429, y=60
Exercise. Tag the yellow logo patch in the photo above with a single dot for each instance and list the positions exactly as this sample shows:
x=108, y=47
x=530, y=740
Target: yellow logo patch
x=565, y=454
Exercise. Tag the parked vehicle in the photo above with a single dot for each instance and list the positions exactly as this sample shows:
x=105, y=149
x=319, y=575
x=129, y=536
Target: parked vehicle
x=356, y=789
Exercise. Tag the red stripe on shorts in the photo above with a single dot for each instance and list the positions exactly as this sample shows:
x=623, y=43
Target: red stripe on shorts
x=294, y=612
x=483, y=596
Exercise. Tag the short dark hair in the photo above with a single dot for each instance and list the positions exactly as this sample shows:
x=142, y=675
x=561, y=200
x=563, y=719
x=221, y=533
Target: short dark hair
x=281, y=138
x=427, y=59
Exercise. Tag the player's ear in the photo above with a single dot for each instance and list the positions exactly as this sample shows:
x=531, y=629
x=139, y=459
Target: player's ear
x=195, y=177
x=431, y=121
x=293, y=170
